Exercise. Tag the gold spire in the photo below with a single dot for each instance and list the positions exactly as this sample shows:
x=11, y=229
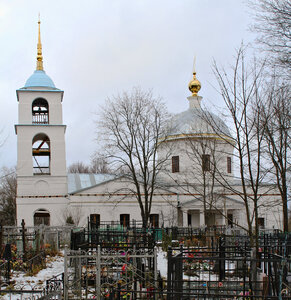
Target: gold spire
x=39, y=62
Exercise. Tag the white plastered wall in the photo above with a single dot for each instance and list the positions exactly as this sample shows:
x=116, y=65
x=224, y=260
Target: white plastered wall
x=112, y=199
x=26, y=207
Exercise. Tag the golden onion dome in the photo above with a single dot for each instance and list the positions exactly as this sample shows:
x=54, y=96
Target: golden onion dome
x=194, y=85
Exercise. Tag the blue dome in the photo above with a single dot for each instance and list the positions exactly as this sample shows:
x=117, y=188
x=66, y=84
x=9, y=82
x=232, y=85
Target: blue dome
x=39, y=79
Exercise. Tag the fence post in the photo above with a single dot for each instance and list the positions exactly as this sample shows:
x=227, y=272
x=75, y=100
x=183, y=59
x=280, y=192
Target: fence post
x=1, y=236
x=175, y=233
x=80, y=271
x=221, y=259
x=58, y=241
x=66, y=274
x=23, y=239
x=170, y=271
x=155, y=273
x=98, y=271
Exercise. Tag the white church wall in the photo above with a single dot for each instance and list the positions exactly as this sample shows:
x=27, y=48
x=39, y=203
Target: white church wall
x=26, y=207
x=190, y=162
x=110, y=210
x=113, y=198
x=42, y=185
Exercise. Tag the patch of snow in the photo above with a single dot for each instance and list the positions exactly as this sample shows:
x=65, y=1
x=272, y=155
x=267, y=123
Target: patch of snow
x=54, y=266
x=162, y=262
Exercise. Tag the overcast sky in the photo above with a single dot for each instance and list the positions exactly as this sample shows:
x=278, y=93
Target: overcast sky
x=94, y=49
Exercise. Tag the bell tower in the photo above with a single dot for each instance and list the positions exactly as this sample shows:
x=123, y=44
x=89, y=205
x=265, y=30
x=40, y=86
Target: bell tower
x=41, y=157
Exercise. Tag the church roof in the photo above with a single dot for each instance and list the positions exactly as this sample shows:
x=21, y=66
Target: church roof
x=79, y=181
x=39, y=79
x=196, y=121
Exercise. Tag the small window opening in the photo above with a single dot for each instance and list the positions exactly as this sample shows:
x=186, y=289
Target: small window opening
x=261, y=222
x=124, y=220
x=41, y=155
x=175, y=164
x=228, y=164
x=154, y=220
x=40, y=111
x=205, y=162
x=95, y=220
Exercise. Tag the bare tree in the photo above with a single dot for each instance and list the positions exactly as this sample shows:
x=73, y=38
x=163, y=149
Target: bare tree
x=79, y=167
x=100, y=164
x=243, y=94
x=72, y=215
x=273, y=23
x=276, y=118
x=8, y=195
x=132, y=124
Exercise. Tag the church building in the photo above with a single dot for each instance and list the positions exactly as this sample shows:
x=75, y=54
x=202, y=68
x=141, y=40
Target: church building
x=190, y=195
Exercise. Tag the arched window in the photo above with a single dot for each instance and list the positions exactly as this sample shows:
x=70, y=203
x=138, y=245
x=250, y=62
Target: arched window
x=40, y=111
x=41, y=217
x=41, y=154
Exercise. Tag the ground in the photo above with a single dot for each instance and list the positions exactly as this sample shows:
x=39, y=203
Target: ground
x=54, y=267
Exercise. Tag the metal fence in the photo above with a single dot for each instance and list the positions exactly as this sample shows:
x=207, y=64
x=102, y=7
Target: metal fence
x=112, y=238
x=35, y=236
x=53, y=290
x=213, y=267
x=96, y=275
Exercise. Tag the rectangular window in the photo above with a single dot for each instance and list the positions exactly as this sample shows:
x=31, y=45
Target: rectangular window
x=261, y=222
x=175, y=164
x=230, y=220
x=154, y=220
x=124, y=220
x=205, y=162
x=189, y=219
x=228, y=164
x=95, y=220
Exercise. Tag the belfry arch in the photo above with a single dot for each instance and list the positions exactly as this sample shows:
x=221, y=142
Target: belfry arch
x=40, y=111
x=41, y=154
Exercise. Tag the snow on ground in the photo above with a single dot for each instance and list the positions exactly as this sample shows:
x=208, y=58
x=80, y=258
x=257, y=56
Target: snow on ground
x=162, y=262
x=54, y=266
